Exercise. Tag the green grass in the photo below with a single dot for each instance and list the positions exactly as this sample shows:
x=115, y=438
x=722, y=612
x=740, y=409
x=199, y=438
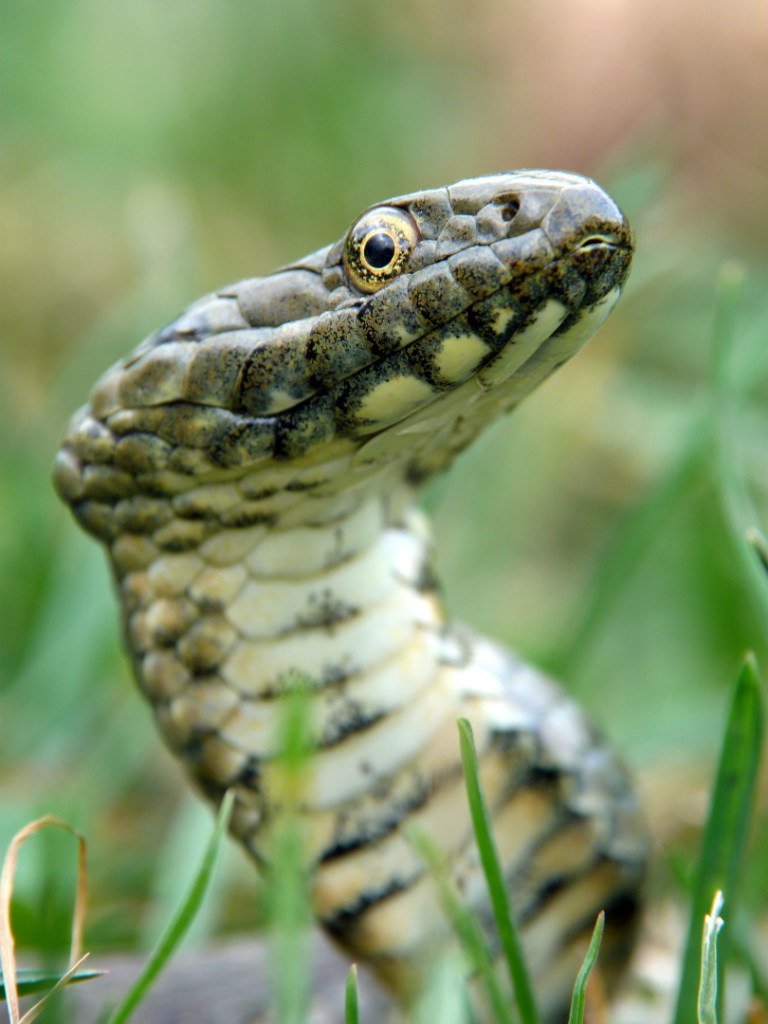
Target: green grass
x=479, y=957
x=702, y=981
x=710, y=978
x=287, y=881
x=149, y=156
x=179, y=925
x=579, y=997
x=497, y=890
x=351, y=998
x=29, y=982
x=721, y=862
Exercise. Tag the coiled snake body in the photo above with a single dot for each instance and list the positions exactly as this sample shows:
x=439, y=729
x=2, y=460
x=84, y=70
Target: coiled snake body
x=252, y=469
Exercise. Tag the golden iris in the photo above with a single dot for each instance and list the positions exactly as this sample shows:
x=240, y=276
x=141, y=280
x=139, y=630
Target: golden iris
x=378, y=246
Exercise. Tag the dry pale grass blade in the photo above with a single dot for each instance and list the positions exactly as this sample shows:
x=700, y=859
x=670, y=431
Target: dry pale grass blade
x=7, y=945
x=34, y=1011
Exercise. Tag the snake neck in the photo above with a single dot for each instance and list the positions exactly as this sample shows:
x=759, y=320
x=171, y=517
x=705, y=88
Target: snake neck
x=345, y=601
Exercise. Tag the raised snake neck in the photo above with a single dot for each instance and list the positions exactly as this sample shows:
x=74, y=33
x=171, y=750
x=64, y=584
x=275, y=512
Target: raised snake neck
x=251, y=470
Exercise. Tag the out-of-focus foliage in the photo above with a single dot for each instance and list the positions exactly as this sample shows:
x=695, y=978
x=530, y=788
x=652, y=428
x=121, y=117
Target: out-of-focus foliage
x=152, y=151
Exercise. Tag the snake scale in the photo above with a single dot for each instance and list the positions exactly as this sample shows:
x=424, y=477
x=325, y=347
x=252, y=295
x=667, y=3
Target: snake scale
x=252, y=470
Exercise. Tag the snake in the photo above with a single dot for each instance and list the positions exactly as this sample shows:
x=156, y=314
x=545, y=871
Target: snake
x=253, y=471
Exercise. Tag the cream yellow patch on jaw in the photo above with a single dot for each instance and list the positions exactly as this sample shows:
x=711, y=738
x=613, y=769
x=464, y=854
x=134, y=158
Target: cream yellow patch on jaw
x=501, y=318
x=523, y=344
x=570, y=341
x=394, y=398
x=586, y=326
x=459, y=355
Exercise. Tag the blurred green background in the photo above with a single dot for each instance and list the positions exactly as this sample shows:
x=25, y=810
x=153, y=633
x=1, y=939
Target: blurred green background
x=151, y=151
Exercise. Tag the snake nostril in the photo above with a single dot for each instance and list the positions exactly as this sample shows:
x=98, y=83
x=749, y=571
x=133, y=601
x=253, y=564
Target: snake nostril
x=510, y=208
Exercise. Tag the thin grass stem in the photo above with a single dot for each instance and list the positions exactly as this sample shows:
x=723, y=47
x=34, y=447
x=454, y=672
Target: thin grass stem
x=351, y=998
x=180, y=923
x=706, y=1007
x=579, y=997
x=466, y=928
x=510, y=941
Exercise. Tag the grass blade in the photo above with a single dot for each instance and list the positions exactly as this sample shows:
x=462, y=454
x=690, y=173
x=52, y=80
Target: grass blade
x=34, y=1011
x=467, y=929
x=726, y=830
x=445, y=998
x=510, y=941
x=578, y=1000
x=288, y=877
x=28, y=981
x=180, y=923
x=289, y=921
x=706, y=1008
x=351, y=1002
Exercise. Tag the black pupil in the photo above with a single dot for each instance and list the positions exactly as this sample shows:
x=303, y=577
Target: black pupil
x=379, y=250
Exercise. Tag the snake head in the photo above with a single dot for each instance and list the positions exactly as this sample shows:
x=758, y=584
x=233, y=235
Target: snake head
x=434, y=312
x=468, y=296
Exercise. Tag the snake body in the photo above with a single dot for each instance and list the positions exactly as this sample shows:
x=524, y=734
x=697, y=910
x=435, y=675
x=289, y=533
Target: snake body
x=252, y=470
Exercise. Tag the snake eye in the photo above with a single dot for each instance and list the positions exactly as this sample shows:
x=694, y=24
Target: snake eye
x=378, y=246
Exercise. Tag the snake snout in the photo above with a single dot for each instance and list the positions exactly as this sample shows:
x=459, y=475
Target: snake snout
x=585, y=217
